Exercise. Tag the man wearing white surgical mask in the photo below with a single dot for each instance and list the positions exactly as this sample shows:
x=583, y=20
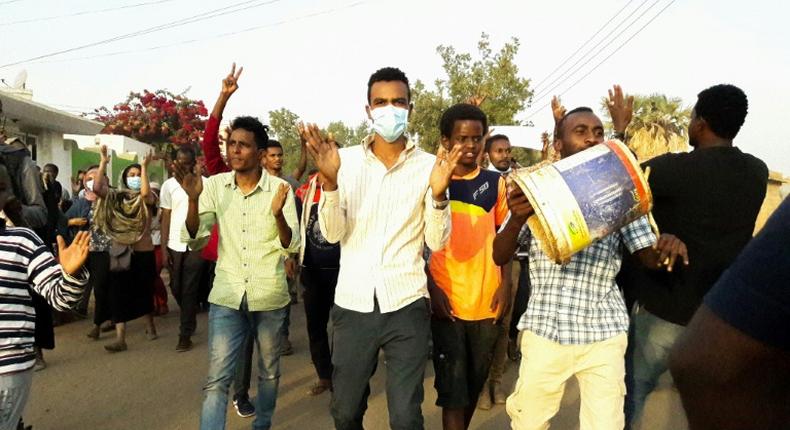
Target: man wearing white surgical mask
x=382, y=200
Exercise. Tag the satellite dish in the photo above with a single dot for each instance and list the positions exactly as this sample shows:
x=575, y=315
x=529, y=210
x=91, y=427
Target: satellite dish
x=19, y=81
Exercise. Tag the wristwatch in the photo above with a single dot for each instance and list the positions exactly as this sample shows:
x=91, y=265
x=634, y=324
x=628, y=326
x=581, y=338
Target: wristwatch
x=440, y=205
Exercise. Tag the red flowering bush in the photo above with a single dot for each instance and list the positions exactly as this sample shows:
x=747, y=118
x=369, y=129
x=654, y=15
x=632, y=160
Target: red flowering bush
x=160, y=118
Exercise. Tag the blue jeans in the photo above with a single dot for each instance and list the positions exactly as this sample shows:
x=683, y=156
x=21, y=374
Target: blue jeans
x=653, y=339
x=14, y=391
x=227, y=329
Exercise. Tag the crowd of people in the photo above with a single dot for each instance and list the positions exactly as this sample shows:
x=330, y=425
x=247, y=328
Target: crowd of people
x=414, y=255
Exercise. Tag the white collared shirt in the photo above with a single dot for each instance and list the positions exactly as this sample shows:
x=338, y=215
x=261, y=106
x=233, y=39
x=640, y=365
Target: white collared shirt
x=382, y=219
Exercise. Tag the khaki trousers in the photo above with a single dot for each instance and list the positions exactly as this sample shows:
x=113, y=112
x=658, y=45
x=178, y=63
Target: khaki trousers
x=546, y=366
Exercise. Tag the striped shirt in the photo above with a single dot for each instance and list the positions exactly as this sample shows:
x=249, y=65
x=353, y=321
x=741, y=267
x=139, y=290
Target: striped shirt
x=249, y=255
x=579, y=302
x=25, y=264
x=382, y=218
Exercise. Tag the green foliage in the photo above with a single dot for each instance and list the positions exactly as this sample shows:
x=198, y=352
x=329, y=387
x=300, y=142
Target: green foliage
x=659, y=125
x=347, y=136
x=492, y=80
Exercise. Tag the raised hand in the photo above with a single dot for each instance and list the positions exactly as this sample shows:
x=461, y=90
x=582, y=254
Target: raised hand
x=73, y=257
x=442, y=171
x=148, y=158
x=278, y=201
x=231, y=82
x=557, y=109
x=190, y=180
x=325, y=154
x=104, y=153
x=621, y=109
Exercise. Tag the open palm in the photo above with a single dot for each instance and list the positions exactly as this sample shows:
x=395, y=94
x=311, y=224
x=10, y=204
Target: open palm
x=324, y=152
x=73, y=257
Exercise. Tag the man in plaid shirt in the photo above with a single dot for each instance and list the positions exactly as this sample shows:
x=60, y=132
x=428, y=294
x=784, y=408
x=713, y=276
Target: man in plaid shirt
x=576, y=321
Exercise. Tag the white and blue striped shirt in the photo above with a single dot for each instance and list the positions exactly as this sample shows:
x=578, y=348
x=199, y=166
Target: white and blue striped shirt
x=25, y=265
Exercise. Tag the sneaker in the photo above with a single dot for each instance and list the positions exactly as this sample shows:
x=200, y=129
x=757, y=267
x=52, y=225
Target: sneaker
x=243, y=407
x=116, y=347
x=184, y=343
x=286, y=348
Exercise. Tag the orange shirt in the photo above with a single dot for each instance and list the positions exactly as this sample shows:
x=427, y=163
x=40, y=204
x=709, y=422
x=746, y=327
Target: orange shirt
x=464, y=269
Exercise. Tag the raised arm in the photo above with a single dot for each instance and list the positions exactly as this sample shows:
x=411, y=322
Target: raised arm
x=302, y=166
x=145, y=184
x=101, y=184
x=192, y=183
x=61, y=285
x=210, y=143
x=506, y=240
x=331, y=216
x=621, y=110
x=437, y=220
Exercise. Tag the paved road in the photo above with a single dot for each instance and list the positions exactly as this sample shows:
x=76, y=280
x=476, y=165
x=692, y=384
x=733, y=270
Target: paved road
x=151, y=386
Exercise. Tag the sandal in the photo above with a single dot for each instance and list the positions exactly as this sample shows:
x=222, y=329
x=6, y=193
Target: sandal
x=116, y=347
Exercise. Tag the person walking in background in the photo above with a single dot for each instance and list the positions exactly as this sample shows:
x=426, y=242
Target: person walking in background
x=185, y=265
x=131, y=295
x=160, y=292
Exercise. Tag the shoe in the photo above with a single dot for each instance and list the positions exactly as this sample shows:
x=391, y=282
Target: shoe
x=151, y=335
x=243, y=407
x=184, y=343
x=320, y=386
x=40, y=364
x=286, y=348
x=484, y=402
x=94, y=333
x=500, y=398
x=116, y=347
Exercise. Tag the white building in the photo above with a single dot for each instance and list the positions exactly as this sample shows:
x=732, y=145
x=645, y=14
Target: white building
x=42, y=127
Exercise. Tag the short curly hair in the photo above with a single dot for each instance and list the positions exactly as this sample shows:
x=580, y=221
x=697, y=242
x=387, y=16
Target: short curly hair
x=461, y=112
x=254, y=126
x=389, y=74
x=724, y=108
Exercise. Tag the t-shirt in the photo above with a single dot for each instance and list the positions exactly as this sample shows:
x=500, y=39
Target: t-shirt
x=753, y=295
x=173, y=197
x=709, y=198
x=319, y=253
x=464, y=269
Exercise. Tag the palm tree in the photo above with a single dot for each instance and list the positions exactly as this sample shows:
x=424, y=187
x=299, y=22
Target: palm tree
x=659, y=125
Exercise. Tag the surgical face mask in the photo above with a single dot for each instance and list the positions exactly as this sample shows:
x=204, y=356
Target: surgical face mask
x=134, y=182
x=89, y=185
x=389, y=122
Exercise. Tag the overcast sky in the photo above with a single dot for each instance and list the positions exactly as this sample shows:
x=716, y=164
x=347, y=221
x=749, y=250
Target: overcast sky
x=314, y=57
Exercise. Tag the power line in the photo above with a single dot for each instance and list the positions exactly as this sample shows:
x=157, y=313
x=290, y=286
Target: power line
x=218, y=36
x=9, y=2
x=564, y=74
x=535, y=88
x=604, y=60
x=184, y=21
x=547, y=92
x=86, y=12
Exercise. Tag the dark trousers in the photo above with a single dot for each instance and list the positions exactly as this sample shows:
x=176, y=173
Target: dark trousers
x=356, y=340
x=522, y=298
x=319, y=296
x=185, y=286
x=99, y=269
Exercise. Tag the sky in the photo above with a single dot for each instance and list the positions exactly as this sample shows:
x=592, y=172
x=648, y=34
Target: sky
x=314, y=57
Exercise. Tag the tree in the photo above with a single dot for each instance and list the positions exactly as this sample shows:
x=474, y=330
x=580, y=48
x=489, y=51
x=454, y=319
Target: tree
x=347, y=136
x=492, y=80
x=282, y=123
x=659, y=125
x=160, y=118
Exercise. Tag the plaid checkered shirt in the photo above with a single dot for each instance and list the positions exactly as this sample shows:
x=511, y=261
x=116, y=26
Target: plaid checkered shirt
x=579, y=302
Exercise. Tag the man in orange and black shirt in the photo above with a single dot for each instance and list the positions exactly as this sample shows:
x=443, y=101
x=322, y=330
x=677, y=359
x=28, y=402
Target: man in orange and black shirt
x=467, y=294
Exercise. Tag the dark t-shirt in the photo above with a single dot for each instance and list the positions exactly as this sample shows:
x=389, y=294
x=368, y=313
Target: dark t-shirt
x=753, y=295
x=318, y=252
x=709, y=198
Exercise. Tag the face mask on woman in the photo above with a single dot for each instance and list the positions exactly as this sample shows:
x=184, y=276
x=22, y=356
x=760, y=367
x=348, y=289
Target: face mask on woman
x=134, y=183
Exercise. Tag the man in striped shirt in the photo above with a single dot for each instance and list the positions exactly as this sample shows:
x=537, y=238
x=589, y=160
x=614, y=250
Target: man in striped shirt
x=383, y=202
x=27, y=264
